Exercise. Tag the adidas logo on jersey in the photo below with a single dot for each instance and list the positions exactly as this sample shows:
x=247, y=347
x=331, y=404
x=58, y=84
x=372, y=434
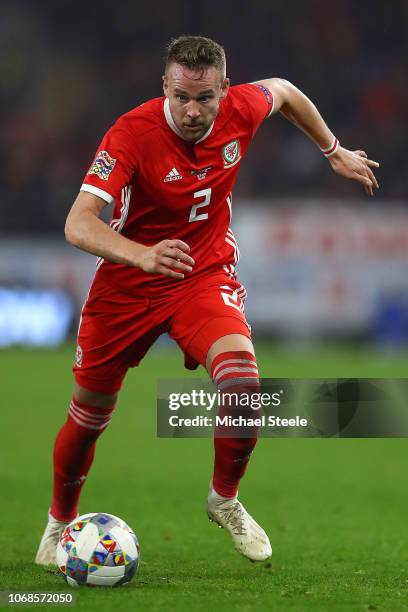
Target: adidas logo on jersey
x=173, y=175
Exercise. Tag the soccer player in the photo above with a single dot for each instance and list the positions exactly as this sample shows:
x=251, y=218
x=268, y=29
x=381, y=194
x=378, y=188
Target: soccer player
x=166, y=261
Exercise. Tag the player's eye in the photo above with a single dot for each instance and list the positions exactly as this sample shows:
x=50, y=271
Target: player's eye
x=181, y=98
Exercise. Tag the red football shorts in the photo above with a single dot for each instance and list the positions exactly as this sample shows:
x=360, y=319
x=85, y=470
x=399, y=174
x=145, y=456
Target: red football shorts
x=116, y=330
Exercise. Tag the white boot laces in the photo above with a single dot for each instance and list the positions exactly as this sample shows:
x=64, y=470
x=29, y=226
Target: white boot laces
x=234, y=515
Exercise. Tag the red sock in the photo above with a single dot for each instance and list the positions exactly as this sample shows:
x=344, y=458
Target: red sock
x=74, y=451
x=233, y=372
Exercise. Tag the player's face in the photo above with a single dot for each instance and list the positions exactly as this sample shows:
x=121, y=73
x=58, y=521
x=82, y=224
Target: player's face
x=194, y=98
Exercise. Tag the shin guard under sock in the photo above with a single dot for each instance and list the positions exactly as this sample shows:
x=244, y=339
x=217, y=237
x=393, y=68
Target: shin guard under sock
x=74, y=451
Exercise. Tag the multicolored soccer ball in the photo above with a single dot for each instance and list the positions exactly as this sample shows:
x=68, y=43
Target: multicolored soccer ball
x=98, y=550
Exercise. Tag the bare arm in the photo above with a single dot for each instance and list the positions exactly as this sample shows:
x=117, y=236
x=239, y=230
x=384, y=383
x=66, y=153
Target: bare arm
x=298, y=109
x=85, y=230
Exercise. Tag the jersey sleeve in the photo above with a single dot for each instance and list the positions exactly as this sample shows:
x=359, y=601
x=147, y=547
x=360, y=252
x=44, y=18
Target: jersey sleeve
x=114, y=164
x=260, y=103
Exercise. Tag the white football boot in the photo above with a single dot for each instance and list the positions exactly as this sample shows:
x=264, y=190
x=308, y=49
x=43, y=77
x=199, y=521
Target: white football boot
x=46, y=554
x=247, y=536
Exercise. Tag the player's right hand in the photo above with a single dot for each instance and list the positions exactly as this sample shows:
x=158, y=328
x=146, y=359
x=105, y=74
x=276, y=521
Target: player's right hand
x=166, y=257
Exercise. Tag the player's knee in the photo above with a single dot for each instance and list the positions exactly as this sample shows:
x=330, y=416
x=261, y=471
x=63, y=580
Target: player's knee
x=94, y=398
x=231, y=343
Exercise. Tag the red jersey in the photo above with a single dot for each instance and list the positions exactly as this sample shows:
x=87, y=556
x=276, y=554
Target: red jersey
x=164, y=187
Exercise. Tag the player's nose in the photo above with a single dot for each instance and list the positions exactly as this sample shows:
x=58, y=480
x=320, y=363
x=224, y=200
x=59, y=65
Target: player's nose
x=192, y=110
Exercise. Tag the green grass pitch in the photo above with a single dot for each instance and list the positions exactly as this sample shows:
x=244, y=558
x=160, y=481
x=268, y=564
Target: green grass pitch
x=335, y=509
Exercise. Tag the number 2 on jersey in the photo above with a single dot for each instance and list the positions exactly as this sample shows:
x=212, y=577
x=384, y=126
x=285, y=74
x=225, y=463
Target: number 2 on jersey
x=206, y=194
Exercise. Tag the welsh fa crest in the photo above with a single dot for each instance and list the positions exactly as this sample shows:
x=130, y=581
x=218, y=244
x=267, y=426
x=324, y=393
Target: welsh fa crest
x=231, y=153
x=78, y=356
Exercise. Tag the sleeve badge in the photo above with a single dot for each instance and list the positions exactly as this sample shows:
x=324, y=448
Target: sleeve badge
x=102, y=165
x=265, y=92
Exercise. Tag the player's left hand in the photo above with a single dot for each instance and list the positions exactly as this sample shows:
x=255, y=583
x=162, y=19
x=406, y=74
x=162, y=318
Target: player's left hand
x=356, y=166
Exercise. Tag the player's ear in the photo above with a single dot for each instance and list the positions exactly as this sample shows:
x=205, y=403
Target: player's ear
x=165, y=85
x=224, y=88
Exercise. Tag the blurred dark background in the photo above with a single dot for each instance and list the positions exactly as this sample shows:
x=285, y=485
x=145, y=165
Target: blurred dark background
x=333, y=260
x=69, y=69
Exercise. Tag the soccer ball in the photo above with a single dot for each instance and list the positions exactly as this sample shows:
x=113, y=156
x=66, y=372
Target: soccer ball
x=98, y=549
